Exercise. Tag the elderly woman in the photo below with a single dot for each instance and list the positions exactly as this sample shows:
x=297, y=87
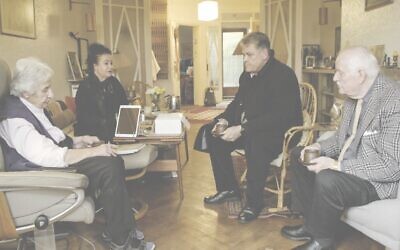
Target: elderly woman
x=25, y=121
x=99, y=96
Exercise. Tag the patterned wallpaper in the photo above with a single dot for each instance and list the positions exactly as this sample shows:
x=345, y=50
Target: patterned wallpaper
x=378, y=26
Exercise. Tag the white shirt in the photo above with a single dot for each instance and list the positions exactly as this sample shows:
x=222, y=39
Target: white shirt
x=32, y=145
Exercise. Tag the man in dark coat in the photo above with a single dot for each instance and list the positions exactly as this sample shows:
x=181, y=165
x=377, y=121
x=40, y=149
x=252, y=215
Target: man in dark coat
x=265, y=106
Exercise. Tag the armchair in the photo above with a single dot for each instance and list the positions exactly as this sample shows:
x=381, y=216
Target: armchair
x=26, y=195
x=379, y=219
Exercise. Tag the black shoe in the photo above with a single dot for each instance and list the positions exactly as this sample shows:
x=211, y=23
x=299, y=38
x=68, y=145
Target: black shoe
x=247, y=214
x=221, y=197
x=295, y=232
x=313, y=245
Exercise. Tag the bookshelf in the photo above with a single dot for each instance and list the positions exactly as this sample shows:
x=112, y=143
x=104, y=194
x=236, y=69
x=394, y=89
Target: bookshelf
x=327, y=91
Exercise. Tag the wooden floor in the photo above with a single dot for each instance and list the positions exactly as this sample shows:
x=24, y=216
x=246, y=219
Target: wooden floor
x=190, y=224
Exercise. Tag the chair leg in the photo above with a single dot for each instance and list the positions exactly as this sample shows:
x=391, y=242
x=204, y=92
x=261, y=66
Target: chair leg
x=281, y=190
x=22, y=243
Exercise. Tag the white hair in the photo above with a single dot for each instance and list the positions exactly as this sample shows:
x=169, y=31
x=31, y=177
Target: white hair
x=360, y=58
x=30, y=73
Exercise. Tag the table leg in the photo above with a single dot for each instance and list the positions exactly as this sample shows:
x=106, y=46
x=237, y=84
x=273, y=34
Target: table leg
x=186, y=148
x=179, y=167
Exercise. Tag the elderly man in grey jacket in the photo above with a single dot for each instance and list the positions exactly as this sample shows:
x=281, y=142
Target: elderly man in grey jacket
x=360, y=163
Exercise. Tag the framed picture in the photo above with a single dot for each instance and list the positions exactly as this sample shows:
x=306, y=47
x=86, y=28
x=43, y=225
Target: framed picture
x=18, y=18
x=74, y=66
x=310, y=62
x=373, y=4
x=310, y=50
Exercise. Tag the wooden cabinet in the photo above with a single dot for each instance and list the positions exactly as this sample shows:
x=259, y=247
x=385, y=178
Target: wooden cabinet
x=327, y=91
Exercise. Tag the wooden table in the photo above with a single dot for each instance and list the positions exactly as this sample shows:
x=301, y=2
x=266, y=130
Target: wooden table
x=163, y=164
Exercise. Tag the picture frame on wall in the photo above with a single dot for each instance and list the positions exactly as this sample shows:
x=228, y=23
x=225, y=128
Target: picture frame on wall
x=74, y=66
x=17, y=18
x=373, y=4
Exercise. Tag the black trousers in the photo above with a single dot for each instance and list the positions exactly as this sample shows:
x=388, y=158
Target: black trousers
x=258, y=155
x=323, y=197
x=107, y=186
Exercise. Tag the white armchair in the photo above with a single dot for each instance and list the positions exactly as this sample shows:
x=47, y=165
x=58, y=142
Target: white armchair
x=26, y=195
x=379, y=220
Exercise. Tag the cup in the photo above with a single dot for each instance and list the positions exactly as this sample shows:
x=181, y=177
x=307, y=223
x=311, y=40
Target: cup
x=310, y=154
x=220, y=128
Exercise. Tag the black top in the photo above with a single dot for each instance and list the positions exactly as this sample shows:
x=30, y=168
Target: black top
x=269, y=103
x=97, y=104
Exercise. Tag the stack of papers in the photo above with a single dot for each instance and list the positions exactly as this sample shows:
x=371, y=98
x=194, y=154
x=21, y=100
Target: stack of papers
x=170, y=123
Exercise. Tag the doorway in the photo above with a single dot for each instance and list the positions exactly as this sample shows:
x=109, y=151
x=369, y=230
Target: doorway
x=232, y=61
x=186, y=64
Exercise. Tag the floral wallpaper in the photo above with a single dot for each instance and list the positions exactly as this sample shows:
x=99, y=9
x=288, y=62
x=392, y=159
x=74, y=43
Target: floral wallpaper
x=374, y=27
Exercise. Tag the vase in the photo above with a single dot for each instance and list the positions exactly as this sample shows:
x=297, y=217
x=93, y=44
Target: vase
x=156, y=102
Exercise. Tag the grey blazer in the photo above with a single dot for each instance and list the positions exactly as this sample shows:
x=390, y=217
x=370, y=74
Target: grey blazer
x=377, y=138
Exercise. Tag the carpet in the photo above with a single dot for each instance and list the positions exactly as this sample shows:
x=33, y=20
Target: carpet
x=201, y=114
x=235, y=206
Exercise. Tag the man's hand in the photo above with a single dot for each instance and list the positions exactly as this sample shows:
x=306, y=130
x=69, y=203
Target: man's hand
x=314, y=146
x=232, y=133
x=222, y=121
x=322, y=163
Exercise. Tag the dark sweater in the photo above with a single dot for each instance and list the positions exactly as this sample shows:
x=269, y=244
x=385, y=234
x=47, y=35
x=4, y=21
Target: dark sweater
x=97, y=104
x=270, y=100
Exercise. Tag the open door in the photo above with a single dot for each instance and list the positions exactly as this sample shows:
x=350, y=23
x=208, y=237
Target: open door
x=232, y=62
x=186, y=64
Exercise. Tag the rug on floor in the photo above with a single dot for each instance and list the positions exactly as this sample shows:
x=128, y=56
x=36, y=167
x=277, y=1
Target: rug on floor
x=235, y=206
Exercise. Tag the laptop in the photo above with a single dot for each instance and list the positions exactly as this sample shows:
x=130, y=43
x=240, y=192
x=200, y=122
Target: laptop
x=128, y=121
x=128, y=125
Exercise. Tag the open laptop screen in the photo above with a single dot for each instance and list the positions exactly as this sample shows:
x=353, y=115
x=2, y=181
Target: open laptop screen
x=128, y=121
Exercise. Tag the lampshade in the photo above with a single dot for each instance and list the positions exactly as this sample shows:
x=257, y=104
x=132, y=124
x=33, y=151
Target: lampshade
x=207, y=10
x=238, y=50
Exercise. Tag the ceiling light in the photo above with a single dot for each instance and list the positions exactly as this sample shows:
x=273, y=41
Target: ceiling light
x=207, y=10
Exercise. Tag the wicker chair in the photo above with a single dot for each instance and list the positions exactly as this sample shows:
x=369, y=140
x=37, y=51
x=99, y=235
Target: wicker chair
x=276, y=183
x=309, y=107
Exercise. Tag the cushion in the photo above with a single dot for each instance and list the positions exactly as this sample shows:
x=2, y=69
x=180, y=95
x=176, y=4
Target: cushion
x=140, y=159
x=379, y=220
x=70, y=102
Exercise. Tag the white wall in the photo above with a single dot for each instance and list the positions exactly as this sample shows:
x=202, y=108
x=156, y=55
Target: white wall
x=53, y=22
x=324, y=35
x=374, y=27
